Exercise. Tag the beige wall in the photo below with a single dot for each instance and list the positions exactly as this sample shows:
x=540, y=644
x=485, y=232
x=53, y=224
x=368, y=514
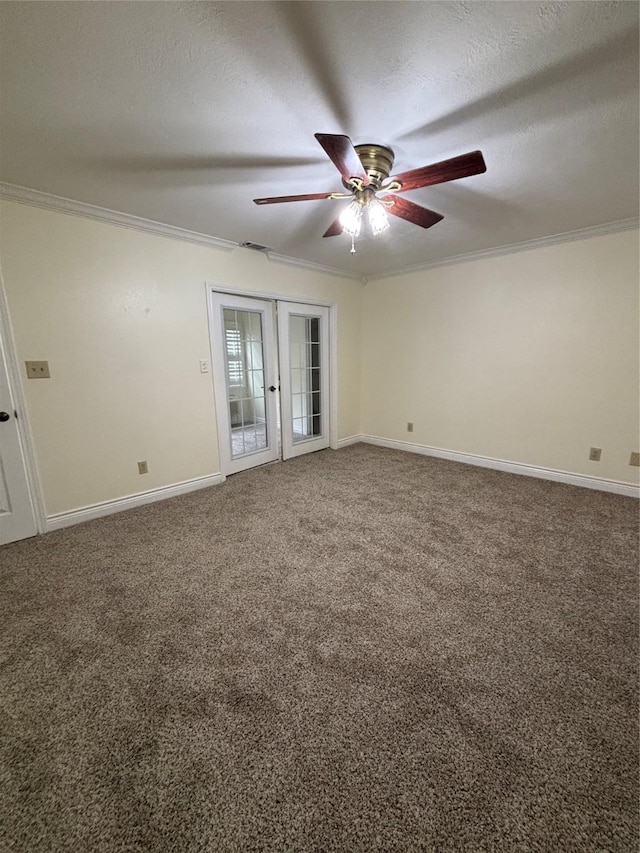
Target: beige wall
x=121, y=316
x=530, y=357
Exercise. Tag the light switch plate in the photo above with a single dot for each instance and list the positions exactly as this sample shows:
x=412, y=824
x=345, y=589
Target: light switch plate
x=37, y=369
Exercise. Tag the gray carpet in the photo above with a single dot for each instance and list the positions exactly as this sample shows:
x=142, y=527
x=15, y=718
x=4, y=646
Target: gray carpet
x=360, y=650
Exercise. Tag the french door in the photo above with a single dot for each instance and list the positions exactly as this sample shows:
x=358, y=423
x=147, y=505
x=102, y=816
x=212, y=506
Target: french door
x=271, y=379
x=245, y=377
x=303, y=335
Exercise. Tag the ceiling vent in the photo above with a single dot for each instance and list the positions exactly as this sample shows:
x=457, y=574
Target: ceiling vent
x=255, y=247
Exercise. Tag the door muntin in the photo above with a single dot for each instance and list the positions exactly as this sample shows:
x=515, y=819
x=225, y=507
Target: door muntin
x=305, y=377
x=245, y=377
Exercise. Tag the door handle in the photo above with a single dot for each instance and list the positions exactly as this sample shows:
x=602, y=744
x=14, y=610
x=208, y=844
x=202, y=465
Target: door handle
x=272, y=387
x=4, y=416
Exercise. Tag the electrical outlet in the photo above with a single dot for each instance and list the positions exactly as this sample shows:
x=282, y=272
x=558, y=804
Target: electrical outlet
x=410, y=426
x=143, y=468
x=635, y=459
x=595, y=453
x=204, y=365
x=37, y=369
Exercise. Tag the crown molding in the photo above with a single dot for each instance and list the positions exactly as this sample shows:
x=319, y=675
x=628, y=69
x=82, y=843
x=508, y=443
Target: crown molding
x=309, y=265
x=47, y=201
x=36, y=198
x=512, y=248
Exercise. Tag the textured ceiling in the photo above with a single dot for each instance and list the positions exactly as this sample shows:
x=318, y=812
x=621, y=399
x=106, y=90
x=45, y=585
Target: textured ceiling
x=184, y=112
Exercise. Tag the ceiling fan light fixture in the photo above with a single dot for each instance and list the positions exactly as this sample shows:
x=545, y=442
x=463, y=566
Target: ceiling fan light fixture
x=351, y=219
x=378, y=219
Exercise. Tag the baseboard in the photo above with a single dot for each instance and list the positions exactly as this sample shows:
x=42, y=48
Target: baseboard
x=88, y=513
x=345, y=442
x=615, y=486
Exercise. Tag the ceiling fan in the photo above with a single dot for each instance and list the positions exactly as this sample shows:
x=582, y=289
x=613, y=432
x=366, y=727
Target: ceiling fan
x=364, y=170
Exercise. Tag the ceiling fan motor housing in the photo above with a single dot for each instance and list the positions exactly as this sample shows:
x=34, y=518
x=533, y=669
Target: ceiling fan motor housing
x=377, y=161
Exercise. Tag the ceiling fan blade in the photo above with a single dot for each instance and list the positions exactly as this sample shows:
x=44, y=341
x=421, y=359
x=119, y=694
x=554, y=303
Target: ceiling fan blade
x=281, y=198
x=438, y=173
x=412, y=212
x=334, y=229
x=343, y=155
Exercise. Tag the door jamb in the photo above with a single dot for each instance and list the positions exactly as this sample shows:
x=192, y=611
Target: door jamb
x=16, y=390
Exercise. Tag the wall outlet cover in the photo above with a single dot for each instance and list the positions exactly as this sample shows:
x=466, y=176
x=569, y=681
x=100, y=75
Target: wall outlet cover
x=37, y=369
x=595, y=453
x=635, y=459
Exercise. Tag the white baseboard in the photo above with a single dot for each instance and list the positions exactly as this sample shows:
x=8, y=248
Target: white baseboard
x=615, y=486
x=88, y=513
x=345, y=442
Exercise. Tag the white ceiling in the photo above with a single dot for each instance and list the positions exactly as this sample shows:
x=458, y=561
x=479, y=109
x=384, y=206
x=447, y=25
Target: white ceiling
x=184, y=112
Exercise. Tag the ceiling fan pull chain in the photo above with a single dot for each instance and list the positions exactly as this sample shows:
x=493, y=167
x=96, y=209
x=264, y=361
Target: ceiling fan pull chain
x=353, y=245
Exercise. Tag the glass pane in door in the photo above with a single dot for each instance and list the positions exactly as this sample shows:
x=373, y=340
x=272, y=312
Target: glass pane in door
x=244, y=360
x=304, y=344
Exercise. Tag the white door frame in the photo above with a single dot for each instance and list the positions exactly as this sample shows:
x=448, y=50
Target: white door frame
x=229, y=463
x=16, y=391
x=215, y=287
x=290, y=447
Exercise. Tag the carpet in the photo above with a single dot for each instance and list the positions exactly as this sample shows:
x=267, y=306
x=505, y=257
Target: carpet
x=354, y=650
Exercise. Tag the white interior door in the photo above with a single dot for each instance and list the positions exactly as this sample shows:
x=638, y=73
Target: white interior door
x=17, y=519
x=303, y=336
x=245, y=374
